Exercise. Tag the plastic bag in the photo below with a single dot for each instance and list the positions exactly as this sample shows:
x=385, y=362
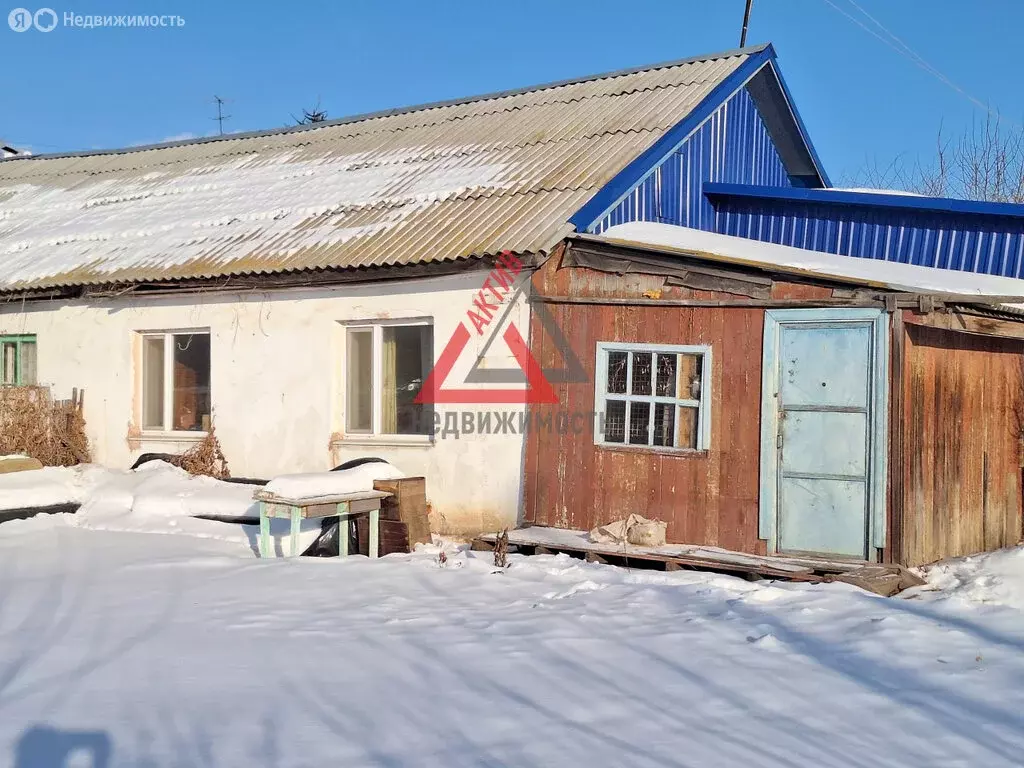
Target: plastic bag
x=635, y=529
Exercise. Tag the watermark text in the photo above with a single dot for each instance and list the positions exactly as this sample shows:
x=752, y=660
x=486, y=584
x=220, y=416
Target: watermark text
x=47, y=19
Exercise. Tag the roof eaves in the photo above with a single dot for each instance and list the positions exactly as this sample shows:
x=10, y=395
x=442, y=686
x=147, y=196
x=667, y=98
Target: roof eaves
x=813, y=275
x=801, y=127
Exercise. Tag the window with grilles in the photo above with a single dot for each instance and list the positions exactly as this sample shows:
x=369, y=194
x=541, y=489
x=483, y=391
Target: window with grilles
x=653, y=395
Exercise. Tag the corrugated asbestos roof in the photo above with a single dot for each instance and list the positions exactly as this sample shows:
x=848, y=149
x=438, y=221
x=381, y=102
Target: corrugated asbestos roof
x=435, y=183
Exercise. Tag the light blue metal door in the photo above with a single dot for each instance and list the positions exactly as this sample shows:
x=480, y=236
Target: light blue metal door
x=824, y=437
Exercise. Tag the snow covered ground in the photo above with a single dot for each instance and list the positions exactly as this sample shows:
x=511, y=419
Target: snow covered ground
x=156, y=498
x=174, y=650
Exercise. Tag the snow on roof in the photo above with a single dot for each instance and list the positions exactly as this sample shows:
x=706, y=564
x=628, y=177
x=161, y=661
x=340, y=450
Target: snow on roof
x=873, y=272
x=440, y=182
x=875, y=191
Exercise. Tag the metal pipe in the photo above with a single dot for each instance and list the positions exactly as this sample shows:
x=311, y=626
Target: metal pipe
x=746, y=23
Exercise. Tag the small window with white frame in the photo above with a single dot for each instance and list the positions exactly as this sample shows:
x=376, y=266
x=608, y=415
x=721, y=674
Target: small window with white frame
x=176, y=381
x=385, y=367
x=655, y=396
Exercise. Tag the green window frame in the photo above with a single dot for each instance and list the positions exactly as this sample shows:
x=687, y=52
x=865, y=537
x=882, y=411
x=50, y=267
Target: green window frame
x=17, y=360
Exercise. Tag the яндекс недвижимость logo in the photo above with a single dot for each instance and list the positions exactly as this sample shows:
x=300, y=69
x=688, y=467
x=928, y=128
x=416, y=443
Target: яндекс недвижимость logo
x=22, y=19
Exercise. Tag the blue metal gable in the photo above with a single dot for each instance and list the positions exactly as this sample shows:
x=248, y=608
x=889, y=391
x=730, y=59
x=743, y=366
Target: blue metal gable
x=965, y=235
x=732, y=145
x=732, y=136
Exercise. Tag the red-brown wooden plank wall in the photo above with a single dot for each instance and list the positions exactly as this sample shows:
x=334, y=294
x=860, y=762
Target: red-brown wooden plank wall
x=708, y=497
x=963, y=398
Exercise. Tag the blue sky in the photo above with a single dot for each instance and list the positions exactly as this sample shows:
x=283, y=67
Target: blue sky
x=99, y=88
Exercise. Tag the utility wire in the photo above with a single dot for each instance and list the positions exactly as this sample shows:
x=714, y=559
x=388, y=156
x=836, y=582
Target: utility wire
x=920, y=59
x=894, y=42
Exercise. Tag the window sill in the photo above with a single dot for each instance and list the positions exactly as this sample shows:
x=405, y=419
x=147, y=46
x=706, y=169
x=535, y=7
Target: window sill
x=682, y=453
x=384, y=441
x=172, y=437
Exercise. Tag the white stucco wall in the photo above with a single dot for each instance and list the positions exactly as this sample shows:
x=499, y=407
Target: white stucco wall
x=277, y=383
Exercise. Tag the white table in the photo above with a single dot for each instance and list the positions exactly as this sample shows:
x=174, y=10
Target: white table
x=344, y=505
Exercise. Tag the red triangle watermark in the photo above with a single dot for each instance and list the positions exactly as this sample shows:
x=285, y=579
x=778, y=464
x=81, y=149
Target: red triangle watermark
x=539, y=389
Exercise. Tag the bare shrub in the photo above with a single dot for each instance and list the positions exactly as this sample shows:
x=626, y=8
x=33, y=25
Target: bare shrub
x=501, y=549
x=205, y=458
x=32, y=423
x=984, y=162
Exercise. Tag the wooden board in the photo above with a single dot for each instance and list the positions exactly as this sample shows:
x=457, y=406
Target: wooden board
x=408, y=503
x=19, y=464
x=880, y=579
x=394, y=537
x=963, y=405
x=312, y=501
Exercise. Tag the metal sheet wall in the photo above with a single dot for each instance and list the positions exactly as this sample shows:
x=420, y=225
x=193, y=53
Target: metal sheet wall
x=986, y=244
x=732, y=146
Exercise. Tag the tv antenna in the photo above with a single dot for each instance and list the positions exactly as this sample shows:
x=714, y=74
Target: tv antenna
x=221, y=117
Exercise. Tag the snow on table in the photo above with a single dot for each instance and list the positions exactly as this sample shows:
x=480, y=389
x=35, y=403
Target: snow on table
x=311, y=485
x=186, y=652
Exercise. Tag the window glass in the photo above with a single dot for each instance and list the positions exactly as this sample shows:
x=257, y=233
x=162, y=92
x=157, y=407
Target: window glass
x=666, y=386
x=359, y=379
x=153, y=382
x=405, y=357
x=615, y=421
x=617, y=363
x=190, y=409
x=641, y=374
x=639, y=419
x=28, y=363
x=664, y=424
x=9, y=362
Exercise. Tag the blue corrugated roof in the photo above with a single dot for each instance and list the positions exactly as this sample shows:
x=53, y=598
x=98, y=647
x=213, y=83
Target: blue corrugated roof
x=966, y=235
x=873, y=198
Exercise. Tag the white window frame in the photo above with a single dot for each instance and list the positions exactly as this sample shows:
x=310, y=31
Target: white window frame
x=601, y=395
x=377, y=360
x=168, y=409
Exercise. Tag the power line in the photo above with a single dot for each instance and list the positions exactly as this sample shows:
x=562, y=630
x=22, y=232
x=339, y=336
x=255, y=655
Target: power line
x=918, y=58
x=894, y=42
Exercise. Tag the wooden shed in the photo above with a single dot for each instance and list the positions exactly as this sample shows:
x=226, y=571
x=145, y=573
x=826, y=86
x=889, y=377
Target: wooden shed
x=771, y=400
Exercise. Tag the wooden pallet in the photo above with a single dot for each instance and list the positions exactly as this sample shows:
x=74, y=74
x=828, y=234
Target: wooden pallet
x=882, y=579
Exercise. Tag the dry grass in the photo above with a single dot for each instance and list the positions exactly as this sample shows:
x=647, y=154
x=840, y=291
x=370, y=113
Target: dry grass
x=501, y=550
x=205, y=458
x=31, y=422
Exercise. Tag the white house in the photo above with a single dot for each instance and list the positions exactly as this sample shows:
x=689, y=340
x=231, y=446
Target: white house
x=296, y=286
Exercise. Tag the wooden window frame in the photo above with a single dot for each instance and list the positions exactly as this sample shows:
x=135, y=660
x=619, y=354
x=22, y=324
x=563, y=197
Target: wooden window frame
x=168, y=404
x=601, y=395
x=18, y=339
x=375, y=433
